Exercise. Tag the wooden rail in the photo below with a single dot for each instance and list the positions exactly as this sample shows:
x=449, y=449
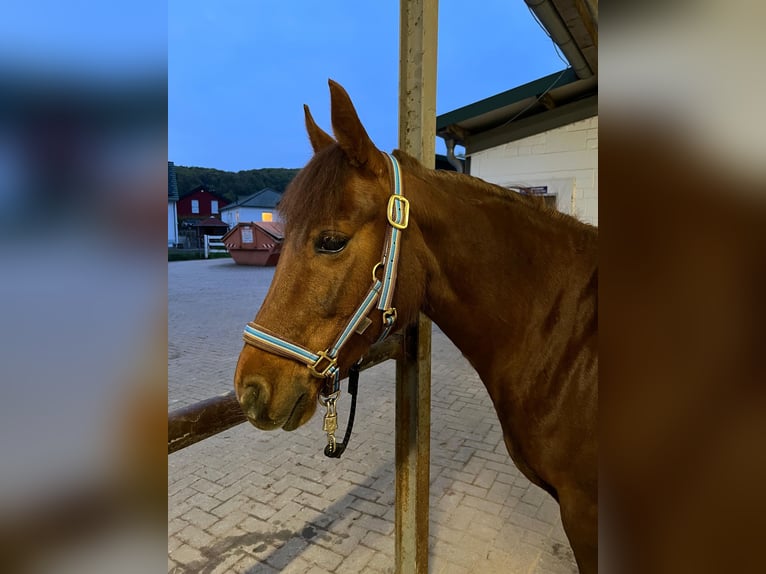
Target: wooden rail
x=191, y=424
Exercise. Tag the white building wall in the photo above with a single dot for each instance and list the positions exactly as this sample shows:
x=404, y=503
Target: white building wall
x=234, y=215
x=565, y=159
x=172, y=224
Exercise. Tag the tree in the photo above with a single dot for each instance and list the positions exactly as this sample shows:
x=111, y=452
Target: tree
x=233, y=185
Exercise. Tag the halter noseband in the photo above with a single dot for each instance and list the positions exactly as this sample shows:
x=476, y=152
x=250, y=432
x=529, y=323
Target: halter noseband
x=324, y=364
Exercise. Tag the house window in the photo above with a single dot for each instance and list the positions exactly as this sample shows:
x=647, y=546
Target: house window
x=213, y=206
x=195, y=205
x=267, y=216
x=541, y=191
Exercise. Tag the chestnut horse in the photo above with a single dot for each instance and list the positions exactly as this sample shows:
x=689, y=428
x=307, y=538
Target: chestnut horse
x=510, y=281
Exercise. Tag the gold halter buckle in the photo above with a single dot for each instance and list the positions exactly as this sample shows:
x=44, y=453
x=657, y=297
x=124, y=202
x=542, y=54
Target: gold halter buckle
x=391, y=212
x=323, y=374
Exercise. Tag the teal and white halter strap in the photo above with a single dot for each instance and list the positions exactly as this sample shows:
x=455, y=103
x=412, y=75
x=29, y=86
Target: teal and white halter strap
x=324, y=364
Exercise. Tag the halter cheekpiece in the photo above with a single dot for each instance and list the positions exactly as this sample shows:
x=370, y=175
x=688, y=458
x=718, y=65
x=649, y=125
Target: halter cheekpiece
x=324, y=364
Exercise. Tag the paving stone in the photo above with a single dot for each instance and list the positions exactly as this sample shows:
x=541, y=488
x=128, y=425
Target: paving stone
x=485, y=478
x=526, y=509
x=519, y=559
x=173, y=543
x=499, y=492
x=557, y=559
x=260, y=568
x=200, y=518
x=368, y=507
x=482, y=504
x=549, y=511
x=377, y=524
x=379, y=542
x=227, y=528
x=287, y=553
x=195, y=537
x=482, y=531
x=529, y=523
x=356, y=561
x=185, y=554
x=229, y=491
x=259, y=510
x=232, y=563
x=344, y=542
x=176, y=525
x=296, y=566
x=326, y=560
x=203, y=501
x=182, y=495
x=206, y=486
x=534, y=496
x=380, y=563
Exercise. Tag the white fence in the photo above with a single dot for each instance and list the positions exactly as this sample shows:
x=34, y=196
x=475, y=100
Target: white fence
x=213, y=244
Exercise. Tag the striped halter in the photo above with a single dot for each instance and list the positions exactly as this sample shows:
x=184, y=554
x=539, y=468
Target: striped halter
x=324, y=364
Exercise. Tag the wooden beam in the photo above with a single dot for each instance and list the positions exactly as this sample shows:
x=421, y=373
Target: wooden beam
x=191, y=424
x=548, y=120
x=417, y=137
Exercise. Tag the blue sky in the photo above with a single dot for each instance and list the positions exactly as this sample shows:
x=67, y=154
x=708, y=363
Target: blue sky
x=83, y=39
x=239, y=71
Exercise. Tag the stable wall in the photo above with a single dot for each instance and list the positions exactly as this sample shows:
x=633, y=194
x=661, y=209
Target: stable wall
x=565, y=159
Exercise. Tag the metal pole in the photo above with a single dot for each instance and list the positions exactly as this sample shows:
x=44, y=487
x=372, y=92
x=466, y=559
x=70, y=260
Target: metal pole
x=417, y=137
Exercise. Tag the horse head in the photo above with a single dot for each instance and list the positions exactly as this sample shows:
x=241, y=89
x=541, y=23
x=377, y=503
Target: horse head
x=337, y=214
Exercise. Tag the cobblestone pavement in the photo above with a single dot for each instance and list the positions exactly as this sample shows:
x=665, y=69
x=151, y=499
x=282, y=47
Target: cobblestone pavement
x=255, y=502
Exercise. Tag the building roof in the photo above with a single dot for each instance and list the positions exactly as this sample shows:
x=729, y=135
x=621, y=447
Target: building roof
x=211, y=222
x=203, y=188
x=267, y=198
x=543, y=104
x=555, y=100
x=274, y=228
x=172, y=182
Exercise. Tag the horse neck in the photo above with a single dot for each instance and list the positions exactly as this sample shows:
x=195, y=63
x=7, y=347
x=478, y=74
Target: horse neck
x=503, y=271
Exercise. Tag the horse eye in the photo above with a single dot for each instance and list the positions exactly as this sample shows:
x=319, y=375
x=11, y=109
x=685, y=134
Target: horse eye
x=330, y=243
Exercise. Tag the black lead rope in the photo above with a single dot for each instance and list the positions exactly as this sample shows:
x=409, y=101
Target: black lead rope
x=353, y=388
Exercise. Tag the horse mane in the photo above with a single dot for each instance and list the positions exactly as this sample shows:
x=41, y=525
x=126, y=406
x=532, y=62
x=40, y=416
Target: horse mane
x=483, y=188
x=477, y=191
x=317, y=189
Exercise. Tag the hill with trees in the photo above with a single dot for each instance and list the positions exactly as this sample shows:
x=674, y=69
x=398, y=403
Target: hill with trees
x=233, y=185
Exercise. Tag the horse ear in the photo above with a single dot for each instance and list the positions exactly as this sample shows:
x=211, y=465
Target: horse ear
x=350, y=133
x=319, y=138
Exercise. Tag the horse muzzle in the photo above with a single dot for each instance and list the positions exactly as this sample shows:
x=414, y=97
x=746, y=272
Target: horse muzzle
x=268, y=412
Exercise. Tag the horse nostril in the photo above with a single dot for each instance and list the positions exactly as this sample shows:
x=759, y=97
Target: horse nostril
x=253, y=395
x=253, y=391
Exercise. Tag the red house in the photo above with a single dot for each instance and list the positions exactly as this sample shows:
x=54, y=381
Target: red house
x=200, y=203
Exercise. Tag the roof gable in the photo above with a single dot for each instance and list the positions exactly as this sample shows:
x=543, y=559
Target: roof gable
x=267, y=198
x=201, y=190
x=172, y=182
